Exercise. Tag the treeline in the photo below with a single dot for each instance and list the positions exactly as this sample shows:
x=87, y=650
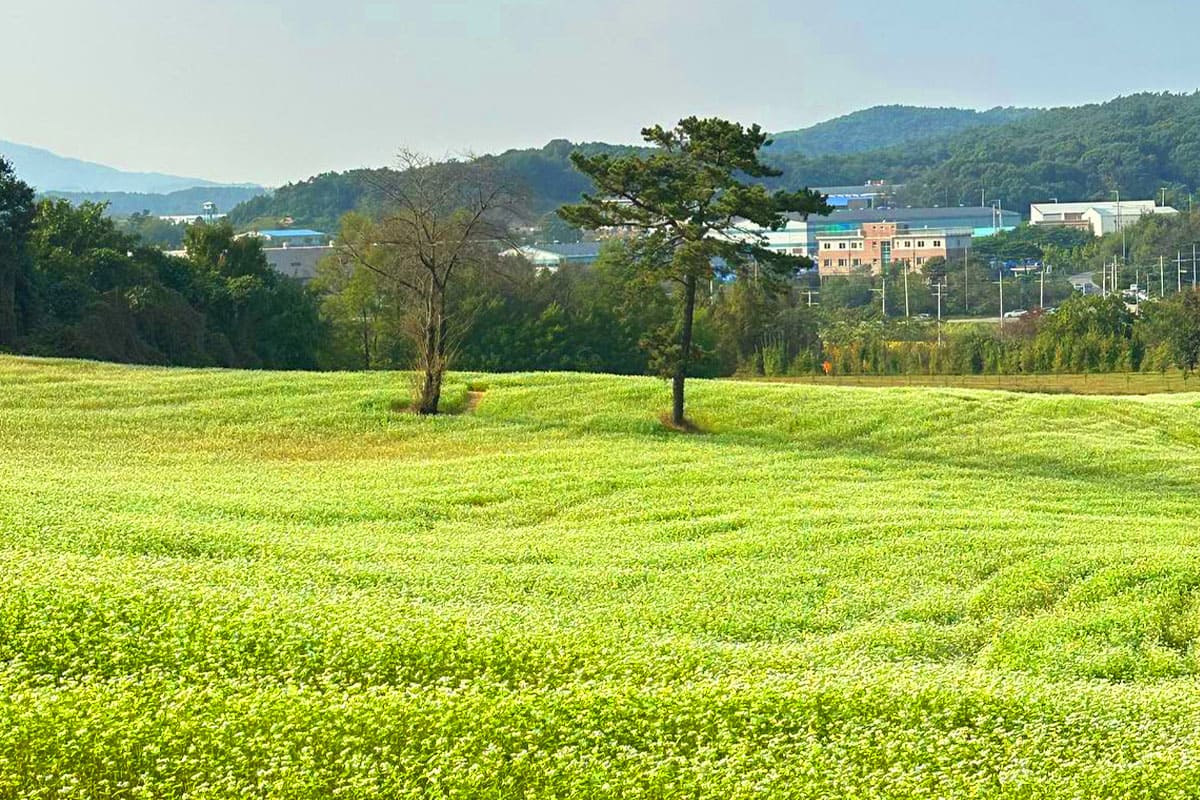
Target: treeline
x=1085, y=334
x=586, y=319
x=73, y=284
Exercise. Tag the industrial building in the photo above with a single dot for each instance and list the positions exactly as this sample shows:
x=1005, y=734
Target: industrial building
x=552, y=256
x=800, y=236
x=289, y=237
x=1098, y=217
x=294, y=252
x=871, y=194
x=875, y=245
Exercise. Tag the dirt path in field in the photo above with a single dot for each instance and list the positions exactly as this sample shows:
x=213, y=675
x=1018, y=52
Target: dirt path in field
x=473, y=399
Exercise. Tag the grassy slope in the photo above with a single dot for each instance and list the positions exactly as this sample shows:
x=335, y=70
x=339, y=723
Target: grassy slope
x=218, y=584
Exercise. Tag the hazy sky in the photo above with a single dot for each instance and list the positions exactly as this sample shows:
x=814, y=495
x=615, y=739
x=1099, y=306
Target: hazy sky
x=268, y=91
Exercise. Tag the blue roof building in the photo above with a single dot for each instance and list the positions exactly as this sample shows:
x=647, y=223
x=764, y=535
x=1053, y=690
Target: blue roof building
x=291, y=237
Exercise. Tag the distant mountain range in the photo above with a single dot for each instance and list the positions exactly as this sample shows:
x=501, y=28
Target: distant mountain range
x=49, y=172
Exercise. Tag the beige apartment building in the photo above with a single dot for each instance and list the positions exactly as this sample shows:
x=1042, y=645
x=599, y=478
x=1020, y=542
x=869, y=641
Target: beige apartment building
x=877, y=244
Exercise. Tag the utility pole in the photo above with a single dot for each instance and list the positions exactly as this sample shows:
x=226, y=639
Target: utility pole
x=1193, y=265
x=1178, y=271
x=939, y=287
x=1121, y=225
x=883, y=296
x=966, y=270
x=1001, y=283
x=906, y=265
x=1162, y=278
x=1042, y=287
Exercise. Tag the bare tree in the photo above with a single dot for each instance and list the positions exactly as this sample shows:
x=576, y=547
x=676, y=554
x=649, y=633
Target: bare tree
x=439, y=220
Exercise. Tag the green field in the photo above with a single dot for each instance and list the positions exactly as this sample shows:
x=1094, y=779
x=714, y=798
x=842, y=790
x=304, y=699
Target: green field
x=234, y=584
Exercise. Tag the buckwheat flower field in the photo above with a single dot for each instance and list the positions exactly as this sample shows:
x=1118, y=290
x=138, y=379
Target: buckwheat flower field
x=219, y=584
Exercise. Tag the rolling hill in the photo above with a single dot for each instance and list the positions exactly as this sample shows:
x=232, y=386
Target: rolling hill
x=245, y=584
x=886, y=126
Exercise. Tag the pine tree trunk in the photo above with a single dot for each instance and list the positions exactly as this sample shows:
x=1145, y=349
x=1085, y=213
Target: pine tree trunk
x=685, y=340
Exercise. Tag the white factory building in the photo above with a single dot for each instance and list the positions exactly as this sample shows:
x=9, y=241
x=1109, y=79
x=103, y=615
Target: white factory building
x=1098, y=217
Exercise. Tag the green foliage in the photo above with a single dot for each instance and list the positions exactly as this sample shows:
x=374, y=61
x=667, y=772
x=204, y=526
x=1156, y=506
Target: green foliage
x=153, y=231
x=93, y=290
x=16, y=222
x=1176, y=325
x=1031, y=242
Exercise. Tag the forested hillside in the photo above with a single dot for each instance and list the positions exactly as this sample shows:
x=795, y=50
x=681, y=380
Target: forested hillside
x=545, y=176
x=885, y=126
x=1138, y=144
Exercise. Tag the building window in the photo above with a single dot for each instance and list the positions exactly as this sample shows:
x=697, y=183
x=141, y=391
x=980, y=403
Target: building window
x=921, y=243
x=937, y=243
x=841, y=262
x=841, y=245
x=908, y=243
x=857, y=263
x=920, y=260
x=825, y=245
